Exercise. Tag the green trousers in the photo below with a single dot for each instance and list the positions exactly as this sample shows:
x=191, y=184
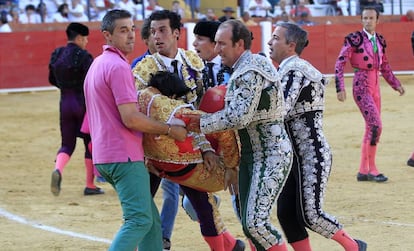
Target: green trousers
x=141, y=227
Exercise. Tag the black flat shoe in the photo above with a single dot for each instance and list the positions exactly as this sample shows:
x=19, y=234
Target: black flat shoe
x=56, y=181
x=410, y=162
x=362, y=245
x=378, y=178
x=362, y=177
x=239, y=246
x=93, y=191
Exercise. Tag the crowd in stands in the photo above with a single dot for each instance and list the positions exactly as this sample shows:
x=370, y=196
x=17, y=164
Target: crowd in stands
x=47, y=11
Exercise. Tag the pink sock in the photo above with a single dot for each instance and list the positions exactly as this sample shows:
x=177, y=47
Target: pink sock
x=412, y=156
x=372, y=152
x=364, y=164
x=345, y=240
x=302, y=245
x=89, y=173
x=216, y=243
x=229, y=240
x=252, y=247
x=61, y=160
x=95, y=171
x=90, y=146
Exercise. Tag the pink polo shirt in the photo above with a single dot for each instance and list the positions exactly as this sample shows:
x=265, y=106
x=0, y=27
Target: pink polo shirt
x=110, y=83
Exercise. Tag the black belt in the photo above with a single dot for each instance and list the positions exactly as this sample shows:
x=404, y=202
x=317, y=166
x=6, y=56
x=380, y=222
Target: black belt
x=182, y=172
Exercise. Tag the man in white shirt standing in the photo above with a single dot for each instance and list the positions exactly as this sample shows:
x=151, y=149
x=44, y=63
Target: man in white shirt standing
x=259, y=8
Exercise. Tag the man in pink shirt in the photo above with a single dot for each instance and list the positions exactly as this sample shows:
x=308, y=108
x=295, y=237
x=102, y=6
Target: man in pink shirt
x=116, y=127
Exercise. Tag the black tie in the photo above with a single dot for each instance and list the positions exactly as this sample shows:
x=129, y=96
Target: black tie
x=211, y=81
x=174, y=64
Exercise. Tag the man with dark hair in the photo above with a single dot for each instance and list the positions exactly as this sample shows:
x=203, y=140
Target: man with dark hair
x=4, y=26
x=148, y=40
x=175, y=87
x=301, y=200
x=214, y=73
x=170, y=189
x=67, y=70
x=366, y=52
x=30, y=16
x=254, y=106
x=228, y=14
x=117, y=128
x=165, y=29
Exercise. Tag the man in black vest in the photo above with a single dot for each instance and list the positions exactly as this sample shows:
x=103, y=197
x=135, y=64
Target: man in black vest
x=214, y=73
x=67, y=70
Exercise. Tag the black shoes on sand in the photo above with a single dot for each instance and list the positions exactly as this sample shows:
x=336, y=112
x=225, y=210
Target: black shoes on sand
x=362, y=246
x=369, y=177
x=57, y=180
x=93, y=191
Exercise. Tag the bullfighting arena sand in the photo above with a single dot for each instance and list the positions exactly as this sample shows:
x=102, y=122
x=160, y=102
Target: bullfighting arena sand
x=31, y=218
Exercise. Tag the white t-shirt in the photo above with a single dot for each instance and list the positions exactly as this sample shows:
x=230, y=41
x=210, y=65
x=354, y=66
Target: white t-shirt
x=260, y=8
x=24, y=3
x=32, y=19
x=131, y=7
x=98, y=14
x=57, y=17
x=5, y=28
x=78, y=9
x=149, y=11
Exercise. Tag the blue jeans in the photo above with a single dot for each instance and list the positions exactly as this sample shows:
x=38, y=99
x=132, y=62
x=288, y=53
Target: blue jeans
x=193, y=4
x=169, y=207
x=142, y=226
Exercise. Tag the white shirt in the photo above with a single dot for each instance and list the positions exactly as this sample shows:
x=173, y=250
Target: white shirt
x=130, y=6
x=78, y=9
x=167, y=62
x=148, y=12
x=98, y=14
x=368, y=34
x=5, y=28
x=32, y=19
x=57, y=17
x=216, y=67
x=24, y=3
x=260, y=8
x=51, y=6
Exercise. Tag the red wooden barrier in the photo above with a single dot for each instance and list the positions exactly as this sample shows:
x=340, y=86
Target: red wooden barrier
x=24, y=56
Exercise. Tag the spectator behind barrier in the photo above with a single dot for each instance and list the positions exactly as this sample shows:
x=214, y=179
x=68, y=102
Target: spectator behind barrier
x=304, y=20
x=30, y=16
x=4, y=26
x=377, y=4
x=408, y=17
x=299, y=9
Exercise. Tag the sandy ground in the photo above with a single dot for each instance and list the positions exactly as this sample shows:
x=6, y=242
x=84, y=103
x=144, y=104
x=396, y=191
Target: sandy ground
x=31, y=218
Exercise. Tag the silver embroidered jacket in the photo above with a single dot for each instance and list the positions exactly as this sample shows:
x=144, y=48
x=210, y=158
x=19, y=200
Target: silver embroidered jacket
x=303, y=86
x=253, y=96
